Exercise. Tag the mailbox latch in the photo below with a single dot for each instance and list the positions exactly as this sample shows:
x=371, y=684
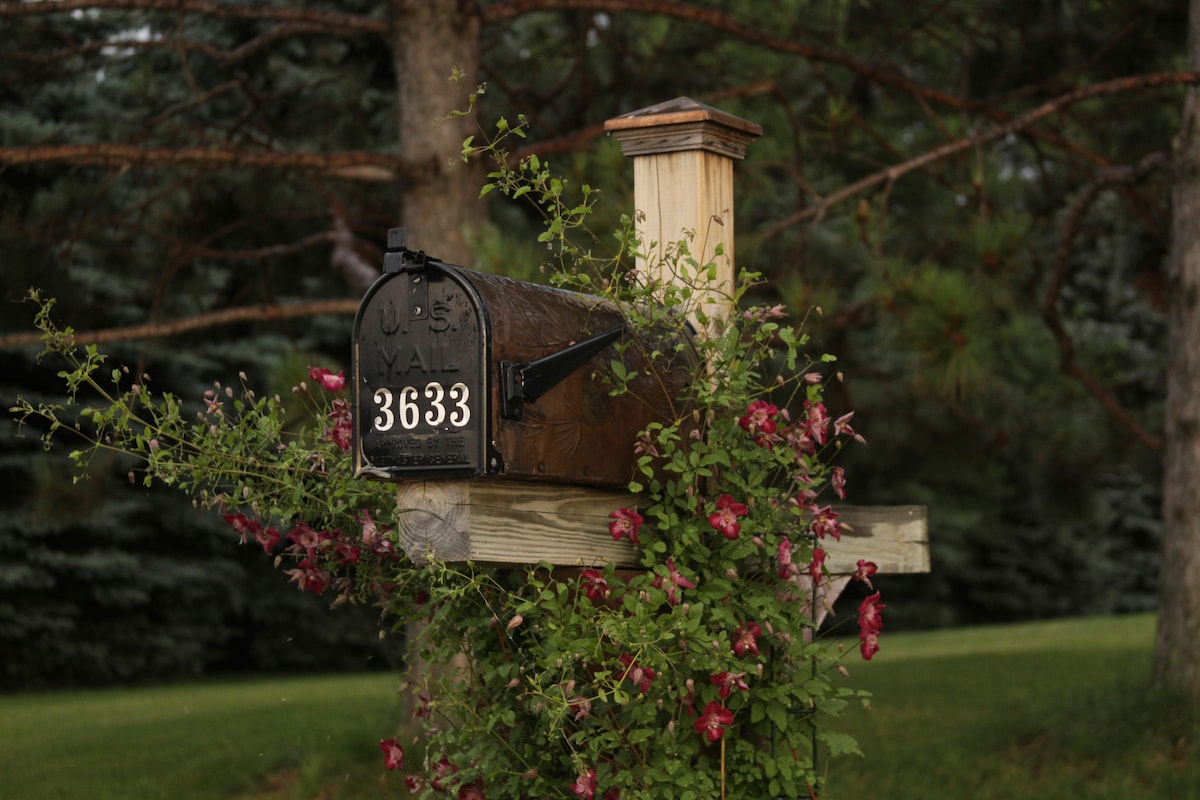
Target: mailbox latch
x=529, y=380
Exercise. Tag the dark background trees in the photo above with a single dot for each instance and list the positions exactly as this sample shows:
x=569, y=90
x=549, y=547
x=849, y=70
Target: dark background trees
x=976, y=196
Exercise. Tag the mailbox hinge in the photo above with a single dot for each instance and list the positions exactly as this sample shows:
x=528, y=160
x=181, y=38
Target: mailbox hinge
x=531, y=379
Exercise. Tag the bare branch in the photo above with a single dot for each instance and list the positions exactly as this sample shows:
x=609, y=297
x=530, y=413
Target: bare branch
x=351, y=165
x=1062, y=266
x=229, y=316
x=359, y=275
x=335, y=22
x=1016, y=125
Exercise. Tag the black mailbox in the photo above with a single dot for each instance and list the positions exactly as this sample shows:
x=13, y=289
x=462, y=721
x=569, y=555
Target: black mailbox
x=459, y=373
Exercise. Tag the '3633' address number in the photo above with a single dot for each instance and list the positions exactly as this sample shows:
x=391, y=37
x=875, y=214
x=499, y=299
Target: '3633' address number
x=435, y=405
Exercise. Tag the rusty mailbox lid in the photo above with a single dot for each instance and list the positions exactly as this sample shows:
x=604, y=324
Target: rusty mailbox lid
x=459, y=373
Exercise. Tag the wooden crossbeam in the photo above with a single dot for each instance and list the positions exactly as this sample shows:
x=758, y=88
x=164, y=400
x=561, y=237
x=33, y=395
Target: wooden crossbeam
x=503, y=521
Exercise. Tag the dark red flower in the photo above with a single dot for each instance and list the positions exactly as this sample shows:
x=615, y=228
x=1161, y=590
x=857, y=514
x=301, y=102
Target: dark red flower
x=868, y=613
x=640, y=675
x=393, y=754
x=712, y=723
x=816, y=567
x=471, y=791
x=625, y=521
x=825, y=523
x=869, y=624
x=585, y=785
x=726, y=682
x=864, y=572
x=759, y=418
x=747, y=638
x=594, y=584
x=725, y=518
x=676, y=580
x=442, y=770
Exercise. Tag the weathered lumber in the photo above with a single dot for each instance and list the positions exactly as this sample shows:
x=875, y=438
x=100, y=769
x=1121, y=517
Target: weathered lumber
x=502, y=521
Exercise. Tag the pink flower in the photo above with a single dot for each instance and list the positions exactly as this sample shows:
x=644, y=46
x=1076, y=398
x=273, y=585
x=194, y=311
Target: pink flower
x=585, y=785
x=393, y=754
x=758, y=419
x=726, y=517
x=329, y=382
x=838, y=482
x=726, y=682
x=747, y=638
x=594, y=584
x=712, y=723
x=816, y=567
x=625, y=521
x=864, y=572
x=841, y=427
x=640, y=675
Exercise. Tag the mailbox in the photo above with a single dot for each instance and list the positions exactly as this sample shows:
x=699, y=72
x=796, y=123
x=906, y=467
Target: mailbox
x=463, y=374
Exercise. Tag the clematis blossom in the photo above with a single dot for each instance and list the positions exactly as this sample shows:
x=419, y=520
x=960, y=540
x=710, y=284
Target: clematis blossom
x=393, y=754
x=816, y=567
x=747, y=638
x=675, y=580
x=640, y=675
x=625, y=522
x=329, y=382
x=712, y=723
x=594, y=585
x=725, y=518
x=759, y=422
x=585, y=785
x=864, y=572
x=726, y=682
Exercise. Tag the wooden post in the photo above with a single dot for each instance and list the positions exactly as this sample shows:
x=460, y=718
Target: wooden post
x=683, y=153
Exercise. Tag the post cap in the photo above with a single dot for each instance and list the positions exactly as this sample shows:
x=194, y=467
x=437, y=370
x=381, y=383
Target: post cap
x=682, y=124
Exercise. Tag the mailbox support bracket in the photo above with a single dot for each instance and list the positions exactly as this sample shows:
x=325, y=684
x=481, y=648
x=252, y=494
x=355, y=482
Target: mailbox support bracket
x=529, y=380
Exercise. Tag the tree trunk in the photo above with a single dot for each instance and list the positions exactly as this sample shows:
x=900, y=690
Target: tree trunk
x=1177, y=652
x=430, y=39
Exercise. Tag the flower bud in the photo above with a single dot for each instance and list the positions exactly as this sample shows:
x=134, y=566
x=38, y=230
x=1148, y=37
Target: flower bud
x=515, y=621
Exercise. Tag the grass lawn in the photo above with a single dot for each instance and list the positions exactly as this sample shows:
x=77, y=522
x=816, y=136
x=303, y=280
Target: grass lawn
x=277, y=737
x=1044, y=711
x=1047, y=711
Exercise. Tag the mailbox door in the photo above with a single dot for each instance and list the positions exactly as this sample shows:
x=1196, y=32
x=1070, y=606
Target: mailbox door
x=420, y=376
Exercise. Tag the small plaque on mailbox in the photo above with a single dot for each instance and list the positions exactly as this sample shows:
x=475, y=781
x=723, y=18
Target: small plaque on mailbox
x=420, y=374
